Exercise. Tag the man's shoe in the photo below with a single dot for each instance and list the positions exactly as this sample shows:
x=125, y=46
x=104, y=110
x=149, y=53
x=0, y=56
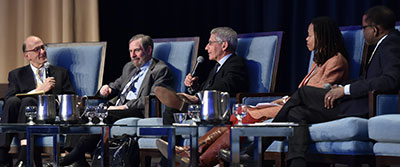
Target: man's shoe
x=245, y=159
x=182, y=155
x=168, y=97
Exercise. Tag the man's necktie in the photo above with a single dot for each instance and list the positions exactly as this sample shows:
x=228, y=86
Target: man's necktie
x=214, y=71
x=128, y=87
x=40, y=81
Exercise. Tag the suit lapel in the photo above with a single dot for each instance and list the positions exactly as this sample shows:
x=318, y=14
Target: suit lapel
x=28, y=78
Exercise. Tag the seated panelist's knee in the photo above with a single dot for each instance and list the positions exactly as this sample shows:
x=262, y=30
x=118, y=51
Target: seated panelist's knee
x=26, y=101
x=13, y=101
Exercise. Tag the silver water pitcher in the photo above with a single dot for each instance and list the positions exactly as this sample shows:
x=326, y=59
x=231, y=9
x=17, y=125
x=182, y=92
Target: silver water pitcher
x=46, y=108
x=214, y=105
x=70, y=107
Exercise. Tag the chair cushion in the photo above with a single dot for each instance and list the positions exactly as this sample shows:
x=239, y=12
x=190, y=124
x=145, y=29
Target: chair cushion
x=342, y=148
x=345, y=129
x=387, y=149
x=149, y=143
x=278, y=146
x=384, y=128
x=149, y=121
x=338, y=148
x=120, y=130
x=47, y=141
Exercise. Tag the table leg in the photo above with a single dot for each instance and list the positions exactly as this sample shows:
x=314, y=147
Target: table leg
x=194, y=147
x=171, y=147
x=235, y=148
x=29, y=147
x=258, y=156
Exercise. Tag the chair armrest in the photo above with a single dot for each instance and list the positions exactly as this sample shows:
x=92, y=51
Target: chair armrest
x=372, y=101
x=240, y=96
x=149, y=106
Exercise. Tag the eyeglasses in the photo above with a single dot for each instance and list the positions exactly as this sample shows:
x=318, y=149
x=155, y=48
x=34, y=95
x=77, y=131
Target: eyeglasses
x=371, y=25
x=38, y=49
x=211, y=42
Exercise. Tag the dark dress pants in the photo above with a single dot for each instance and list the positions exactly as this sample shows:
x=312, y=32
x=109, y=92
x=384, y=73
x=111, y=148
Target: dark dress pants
x=14, y=112
x=306, y=106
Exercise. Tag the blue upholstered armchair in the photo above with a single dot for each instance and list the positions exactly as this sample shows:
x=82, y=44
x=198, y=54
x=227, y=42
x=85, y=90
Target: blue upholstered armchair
x=180, y=54
x=85, y=64
x=383, y=127
x=331, y=142
x=261, y=51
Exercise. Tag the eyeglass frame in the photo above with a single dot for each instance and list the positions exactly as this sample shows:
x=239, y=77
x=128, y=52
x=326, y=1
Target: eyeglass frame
x=370, y=25
x=38, y=48
x=216, y=41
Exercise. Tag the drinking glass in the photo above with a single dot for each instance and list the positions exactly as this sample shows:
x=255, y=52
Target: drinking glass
x=102, y=113
x=30, y=112
x=90, y=113
x=194, y=112
x=239, y=111
x=179, y=117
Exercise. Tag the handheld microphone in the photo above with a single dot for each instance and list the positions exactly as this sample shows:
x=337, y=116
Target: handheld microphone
x=199, y=60
x=47, y=69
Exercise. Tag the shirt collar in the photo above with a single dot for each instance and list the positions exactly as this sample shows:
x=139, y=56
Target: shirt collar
x=380, y=41
x=146, y=66
x=34, y=69
x=223, y=60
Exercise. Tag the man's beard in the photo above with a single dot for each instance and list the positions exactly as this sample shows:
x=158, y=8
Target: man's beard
x=140, y=63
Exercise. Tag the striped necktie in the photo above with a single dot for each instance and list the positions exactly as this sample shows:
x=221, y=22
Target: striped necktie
x=128, y=87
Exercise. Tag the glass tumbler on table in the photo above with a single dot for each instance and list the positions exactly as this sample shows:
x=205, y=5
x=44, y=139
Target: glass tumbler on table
x=194, y=112
x=102, y=113
x=31, y=112
x=90, y=113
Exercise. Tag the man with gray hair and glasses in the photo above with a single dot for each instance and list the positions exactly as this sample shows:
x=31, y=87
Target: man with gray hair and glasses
x=228, y=75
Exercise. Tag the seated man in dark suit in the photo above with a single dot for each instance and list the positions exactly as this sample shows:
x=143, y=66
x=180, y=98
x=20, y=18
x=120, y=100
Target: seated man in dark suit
x=30, y=79
x=311, y=105
x=139, y=78
x=228, y=75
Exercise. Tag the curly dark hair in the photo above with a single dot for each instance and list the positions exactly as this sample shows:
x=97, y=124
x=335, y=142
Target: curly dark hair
x=328, y=40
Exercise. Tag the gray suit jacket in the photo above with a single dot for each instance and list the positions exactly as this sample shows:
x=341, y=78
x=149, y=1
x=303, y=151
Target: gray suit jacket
x=158, y=74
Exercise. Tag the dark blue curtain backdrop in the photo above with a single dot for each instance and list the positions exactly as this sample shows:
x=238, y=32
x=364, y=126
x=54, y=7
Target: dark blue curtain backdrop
x=120, y=20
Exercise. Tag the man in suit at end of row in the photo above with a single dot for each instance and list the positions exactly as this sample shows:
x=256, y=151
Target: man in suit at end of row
x=31, y=78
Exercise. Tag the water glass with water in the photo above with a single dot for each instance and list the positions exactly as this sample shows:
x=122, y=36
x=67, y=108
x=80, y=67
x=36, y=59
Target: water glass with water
x=31, y=112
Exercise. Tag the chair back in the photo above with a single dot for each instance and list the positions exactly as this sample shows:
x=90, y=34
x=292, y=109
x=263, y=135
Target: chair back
x=261, y=51
x=180, y=54
x=354, y=42
x=84, y=62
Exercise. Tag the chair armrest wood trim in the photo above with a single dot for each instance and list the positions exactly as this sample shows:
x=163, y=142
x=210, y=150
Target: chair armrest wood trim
x=148, y=107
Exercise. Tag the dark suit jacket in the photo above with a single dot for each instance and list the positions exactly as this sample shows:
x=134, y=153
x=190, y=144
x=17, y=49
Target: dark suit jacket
x=22, y=80
x=158, y=74
x=383, y=75
x=231, y=77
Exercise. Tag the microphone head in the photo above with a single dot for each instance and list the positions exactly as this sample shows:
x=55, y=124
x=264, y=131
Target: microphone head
x=200, y=59
x=46, y=65
x=327, y=86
